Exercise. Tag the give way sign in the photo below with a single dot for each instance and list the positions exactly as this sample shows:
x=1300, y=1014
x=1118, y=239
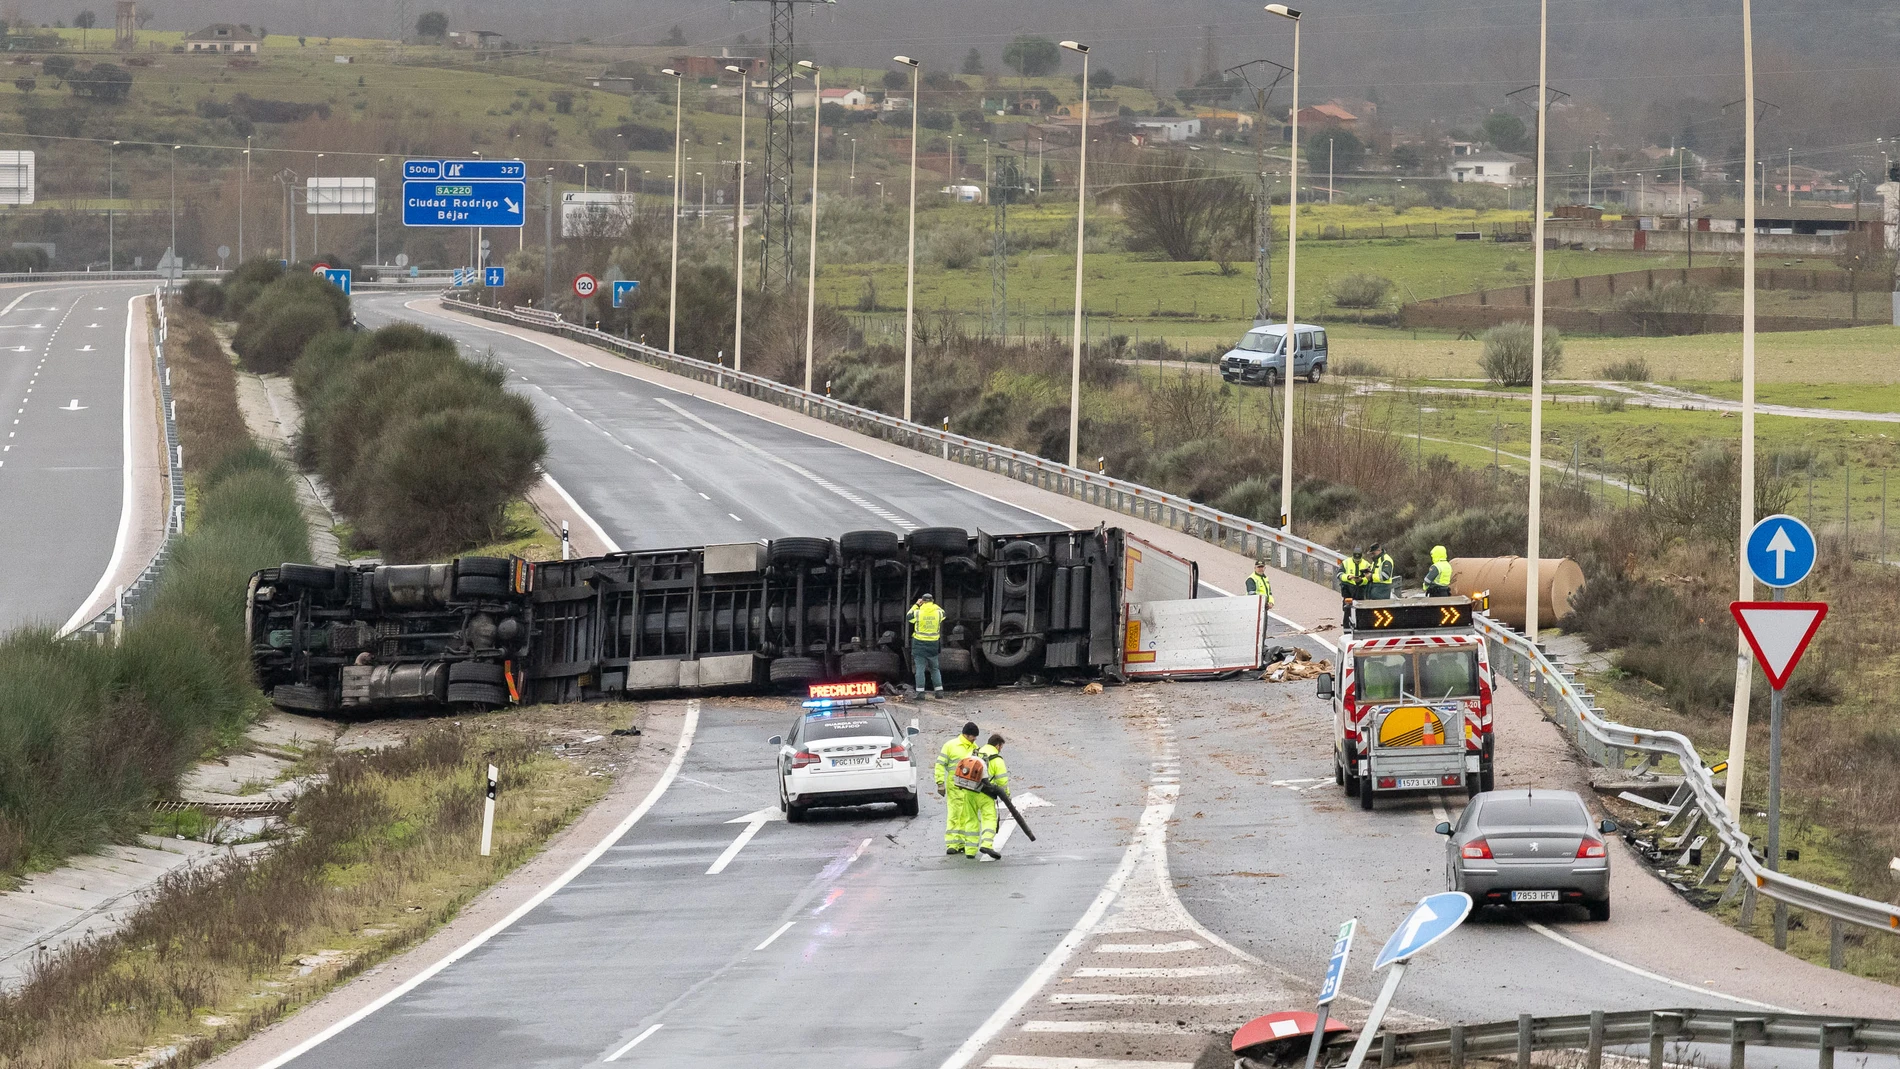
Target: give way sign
x=1779, y=633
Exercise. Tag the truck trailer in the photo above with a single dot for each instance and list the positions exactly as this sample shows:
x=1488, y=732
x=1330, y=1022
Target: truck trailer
x=749, y=616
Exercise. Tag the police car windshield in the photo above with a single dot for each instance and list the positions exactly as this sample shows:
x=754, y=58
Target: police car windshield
x=1256, y=341
x=820, y=728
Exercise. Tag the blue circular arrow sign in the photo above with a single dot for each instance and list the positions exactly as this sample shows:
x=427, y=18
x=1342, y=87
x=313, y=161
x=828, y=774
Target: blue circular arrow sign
x=1780, y=551
x=1431, y=920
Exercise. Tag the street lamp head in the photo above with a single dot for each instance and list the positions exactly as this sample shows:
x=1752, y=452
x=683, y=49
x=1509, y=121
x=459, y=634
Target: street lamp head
x=1284, y=11
x=906, y=61
x=1076, y=46
x=734, y=68
x=670, y=72
x=809, y=65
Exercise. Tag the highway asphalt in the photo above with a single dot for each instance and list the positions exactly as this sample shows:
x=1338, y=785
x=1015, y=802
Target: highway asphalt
x=63, y=368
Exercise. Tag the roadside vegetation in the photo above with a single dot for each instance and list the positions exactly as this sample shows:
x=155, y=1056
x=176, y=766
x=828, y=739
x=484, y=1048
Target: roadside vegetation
x=376, y=856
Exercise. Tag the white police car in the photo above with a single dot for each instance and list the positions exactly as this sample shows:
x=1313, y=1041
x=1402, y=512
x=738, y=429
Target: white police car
x=844, y=756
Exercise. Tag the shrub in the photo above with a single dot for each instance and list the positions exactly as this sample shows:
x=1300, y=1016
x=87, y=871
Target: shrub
x=271, y=339
x=1507, y=354
x=203, y=295
x=245, y=282
x=958, y=247
x=1674, y=308
x=1361, y=291
x=1631, y=369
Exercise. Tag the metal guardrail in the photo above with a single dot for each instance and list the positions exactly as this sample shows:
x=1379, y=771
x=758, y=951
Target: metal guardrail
x=1597, y=738
x=106, y=276
x=1658, y=1029
x=129, y=600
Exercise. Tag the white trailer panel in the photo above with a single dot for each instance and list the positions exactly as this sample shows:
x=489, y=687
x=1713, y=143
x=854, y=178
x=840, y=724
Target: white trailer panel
x=1201, y=636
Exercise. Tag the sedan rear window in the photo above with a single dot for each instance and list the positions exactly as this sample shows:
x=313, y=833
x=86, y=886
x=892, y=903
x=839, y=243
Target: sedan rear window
x=1532, y=813
x=820, y=728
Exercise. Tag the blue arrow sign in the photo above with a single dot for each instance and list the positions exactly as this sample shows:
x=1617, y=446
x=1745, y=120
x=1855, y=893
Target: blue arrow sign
x=1780, y=551
x=622, y=291
x=470, y=202
x=339, y=277
x=494, y=277
x=484, y=169
x=1432, y=919
x=1336, y=968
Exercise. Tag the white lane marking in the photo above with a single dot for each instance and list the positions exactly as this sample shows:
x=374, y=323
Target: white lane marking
x=1224, y=998
x=703, y=497
x=1032, y=1061
x=1168, y=972
x=16, y=302
x=879, y=511
x=703, y=783
x=680, y=749
x=1152, y=827
x=634, y=1042
x=753, y=822
x=770, y=939
x=735, y=517
x=1565, y=940
x=599, y=532
x=1003, y=835
x=75, y=406
x=1125, y=1028
x=1301, y=627
x=1438, y=808
x=1177, y=947
x=128, y=492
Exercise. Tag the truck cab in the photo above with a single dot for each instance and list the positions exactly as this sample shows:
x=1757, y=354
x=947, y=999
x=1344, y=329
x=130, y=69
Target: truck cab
x=1412, y=705
x=1260, y=357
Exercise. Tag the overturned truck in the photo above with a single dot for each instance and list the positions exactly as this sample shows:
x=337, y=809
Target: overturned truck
x=487, y=631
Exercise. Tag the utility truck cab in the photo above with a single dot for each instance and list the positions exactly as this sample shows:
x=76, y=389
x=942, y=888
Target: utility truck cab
x=1412, y=707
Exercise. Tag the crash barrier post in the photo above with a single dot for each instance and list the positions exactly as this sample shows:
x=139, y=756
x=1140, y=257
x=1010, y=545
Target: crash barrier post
x=1657, y=1029
x=1602, y=741
x=127, y=606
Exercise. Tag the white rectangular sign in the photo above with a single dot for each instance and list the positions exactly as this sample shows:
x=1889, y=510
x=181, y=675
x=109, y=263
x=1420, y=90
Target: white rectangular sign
x=340, y=196
x=596, y=213
x=16, y=178
x=1203, y=636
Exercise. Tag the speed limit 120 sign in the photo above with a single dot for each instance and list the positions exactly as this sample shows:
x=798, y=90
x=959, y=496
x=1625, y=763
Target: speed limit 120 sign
x=585, y=285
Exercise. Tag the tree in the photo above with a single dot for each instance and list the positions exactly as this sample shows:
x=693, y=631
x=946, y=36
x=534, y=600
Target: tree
x=58, y=68
x=973, y=63
x=1348, y=152
x=1032, y=57
x=1098, y=80
x=25, y=85
x=1506, y=131
x=1507, y=354
x=432, y=24
x=675, y=37
x=107, y=83
x=86, y=20
x=1407, y=159
x=896, y=80
x=1176, y=204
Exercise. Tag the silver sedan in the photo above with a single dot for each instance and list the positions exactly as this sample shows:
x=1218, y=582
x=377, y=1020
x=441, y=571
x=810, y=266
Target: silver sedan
x=1530, y=846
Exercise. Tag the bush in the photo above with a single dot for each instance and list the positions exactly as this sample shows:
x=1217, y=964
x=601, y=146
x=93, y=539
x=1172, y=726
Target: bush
x=1673, y=309
x=1361, y=291
x=1632, y=369
x=245, y=282
x=957, y=247
x=271, y=339
x=1507, y=354
x=203, y=295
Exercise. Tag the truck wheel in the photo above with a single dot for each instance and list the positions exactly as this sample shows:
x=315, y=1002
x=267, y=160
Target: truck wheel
x=956, y=661
x=307, y=576
x=940, y=540
x=493, y=675
x=493, y=567
x=879, y=544
x=799, y=551
x=1339, y=771
x=881, y=665
x=1011, y=646
x=479, y=586
x=1020, y=555
x=1347, y=776
x=795, y=669
x=481, y=694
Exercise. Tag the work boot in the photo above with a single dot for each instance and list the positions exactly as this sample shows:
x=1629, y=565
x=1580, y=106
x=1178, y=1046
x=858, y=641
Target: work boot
x=971, y=855
x=937, y=694
x=954, y=850
x=990, y=850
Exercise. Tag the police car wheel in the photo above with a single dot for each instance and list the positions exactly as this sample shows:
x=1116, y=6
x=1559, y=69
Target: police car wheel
x=794, y=813
x=908, y=807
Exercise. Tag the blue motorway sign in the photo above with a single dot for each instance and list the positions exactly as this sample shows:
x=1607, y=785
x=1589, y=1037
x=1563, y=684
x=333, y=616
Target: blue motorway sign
x=622, y=291
x=338, y=277
x=1432, y=919
x=464, y=202
x=419, y=169
x=1336, y=966
x=1780, y=551
x=494, y=277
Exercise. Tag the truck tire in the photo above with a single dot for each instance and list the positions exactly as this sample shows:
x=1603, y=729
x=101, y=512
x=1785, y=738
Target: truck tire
x=479, y=586
x=477, y=694
x=881, y=665
x=302, y=697
x=1020, y=554
x=1011, y=646
x=799, y=551
x=940, y=540
x=1348, y=776
x=307, y=576
x=493, y=567
x=956, y=661
x=880, y=544
x=493, y=675
x=795, y=669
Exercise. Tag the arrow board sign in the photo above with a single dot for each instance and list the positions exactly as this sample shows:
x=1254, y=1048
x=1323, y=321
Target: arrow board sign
x=1432, y=919
x=1779, y=633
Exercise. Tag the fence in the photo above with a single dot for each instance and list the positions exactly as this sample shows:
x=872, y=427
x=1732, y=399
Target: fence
x=128, y=600
x=1553, y=688
x=1657, y=1029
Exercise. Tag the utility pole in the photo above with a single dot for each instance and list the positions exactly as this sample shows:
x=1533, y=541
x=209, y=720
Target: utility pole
x=1263, y=201
x=547, y=238
x=775, y=204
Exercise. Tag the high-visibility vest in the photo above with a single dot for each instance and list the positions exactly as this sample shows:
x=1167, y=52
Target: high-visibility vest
x=953, y=751
x=1382, y=569
x=1258, y=586
x=1439, y=574
x=1355, y=571
x=926, y=622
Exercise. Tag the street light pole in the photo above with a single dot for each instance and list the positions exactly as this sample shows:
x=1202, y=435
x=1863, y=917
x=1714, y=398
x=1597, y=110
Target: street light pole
x=811, y=271
x=1533, y=588
x=174, y=263
x=673, y=278
x=1081, y=201
x=1738, y=717
x=738, y=231
x=1290, y=346
x=111, y=258
x=910, y=256
x=315, y=204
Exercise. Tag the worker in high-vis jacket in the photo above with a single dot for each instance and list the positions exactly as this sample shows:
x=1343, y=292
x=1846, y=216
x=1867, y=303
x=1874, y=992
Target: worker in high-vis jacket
x=981, y=777
x=959, y=822
x=1354, y=573
x=1438, y=576
x=1258, y=585
x=1379, y=584
x=926, y=644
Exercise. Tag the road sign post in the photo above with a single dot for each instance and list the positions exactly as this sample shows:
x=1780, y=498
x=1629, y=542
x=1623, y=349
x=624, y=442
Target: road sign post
x=1778, y=632
x=1434, y=918
x=1329, y=988
x=1779, y=552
